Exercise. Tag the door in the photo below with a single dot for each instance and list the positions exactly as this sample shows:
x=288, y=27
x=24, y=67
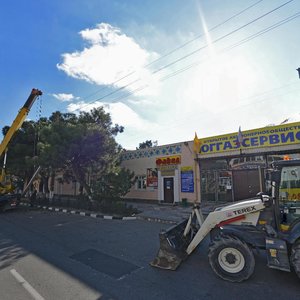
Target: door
x=246, y=183
x=169, y=189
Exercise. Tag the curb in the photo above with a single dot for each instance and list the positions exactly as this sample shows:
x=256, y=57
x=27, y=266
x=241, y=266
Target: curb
x=100, y=216
x=81, y=213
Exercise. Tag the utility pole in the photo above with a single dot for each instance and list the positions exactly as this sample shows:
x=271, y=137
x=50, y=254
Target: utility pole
x=298, y=71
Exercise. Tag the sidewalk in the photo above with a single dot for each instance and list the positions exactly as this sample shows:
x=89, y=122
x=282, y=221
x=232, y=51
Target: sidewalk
x=168, y=213
x=154, y=212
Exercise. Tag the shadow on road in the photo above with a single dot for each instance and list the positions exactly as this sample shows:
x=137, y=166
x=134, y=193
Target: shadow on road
x=57, y=239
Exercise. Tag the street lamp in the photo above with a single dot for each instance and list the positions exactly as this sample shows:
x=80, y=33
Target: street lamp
x=298, y=71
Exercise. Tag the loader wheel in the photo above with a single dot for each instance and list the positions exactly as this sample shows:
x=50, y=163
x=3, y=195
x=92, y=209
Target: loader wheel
x=231, y=259
x=295, y=258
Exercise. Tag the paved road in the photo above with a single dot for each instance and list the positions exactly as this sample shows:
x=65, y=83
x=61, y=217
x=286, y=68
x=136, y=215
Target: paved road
x=47, y=255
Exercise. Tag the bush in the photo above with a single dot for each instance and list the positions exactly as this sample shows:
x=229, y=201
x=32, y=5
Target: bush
x=117, y=207
x=114, y=206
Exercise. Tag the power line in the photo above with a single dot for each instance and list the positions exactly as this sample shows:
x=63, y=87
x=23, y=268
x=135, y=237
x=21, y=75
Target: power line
x=189, y=54
x=202, y=35
x=222, y=37
x=179, y=71
x=241, y=42
x=129, y=93
x=174, y=50
x=282, y=22
x=249, y=38
x=178, y=48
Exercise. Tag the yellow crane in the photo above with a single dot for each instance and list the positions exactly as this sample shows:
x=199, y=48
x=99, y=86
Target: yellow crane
x=5, y=185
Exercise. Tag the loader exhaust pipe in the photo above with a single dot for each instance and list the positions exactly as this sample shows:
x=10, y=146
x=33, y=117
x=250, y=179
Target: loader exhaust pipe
x=173, y=244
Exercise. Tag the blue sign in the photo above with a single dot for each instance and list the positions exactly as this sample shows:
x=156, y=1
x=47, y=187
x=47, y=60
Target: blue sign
x=187, y=181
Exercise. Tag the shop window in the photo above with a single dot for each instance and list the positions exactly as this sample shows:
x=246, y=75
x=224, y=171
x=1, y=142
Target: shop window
x=141, y=182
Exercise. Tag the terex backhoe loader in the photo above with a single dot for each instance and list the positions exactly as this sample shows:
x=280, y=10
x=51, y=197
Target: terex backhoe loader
x=269, y=221
x=8, y=199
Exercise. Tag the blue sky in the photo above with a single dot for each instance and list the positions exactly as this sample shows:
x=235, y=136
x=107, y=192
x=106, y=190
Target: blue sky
x=156, y=66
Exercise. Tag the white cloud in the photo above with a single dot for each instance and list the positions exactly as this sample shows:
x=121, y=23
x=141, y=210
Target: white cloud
x=110, y=56
x=64, y=97
x=224, y=91
x=137, y=129
x=120, y=113
x=83, y=106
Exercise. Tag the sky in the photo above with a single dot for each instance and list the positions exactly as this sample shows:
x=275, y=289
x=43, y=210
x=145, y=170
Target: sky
x=162, y=69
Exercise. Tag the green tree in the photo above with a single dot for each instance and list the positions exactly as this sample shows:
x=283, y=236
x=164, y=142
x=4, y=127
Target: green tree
x=113, y=185
x=80, y=146
x=144, y=145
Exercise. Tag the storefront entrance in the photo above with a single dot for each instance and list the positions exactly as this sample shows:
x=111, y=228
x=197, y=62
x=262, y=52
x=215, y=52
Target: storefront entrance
x=169, y=189
x=233, y=179
x=216, y=185
x=246, y=183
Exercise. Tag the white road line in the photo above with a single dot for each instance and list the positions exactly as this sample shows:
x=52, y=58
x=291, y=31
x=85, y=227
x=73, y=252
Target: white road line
x=26, y=285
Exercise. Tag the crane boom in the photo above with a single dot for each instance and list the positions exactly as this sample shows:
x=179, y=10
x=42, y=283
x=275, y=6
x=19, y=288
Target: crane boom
x=17, y=123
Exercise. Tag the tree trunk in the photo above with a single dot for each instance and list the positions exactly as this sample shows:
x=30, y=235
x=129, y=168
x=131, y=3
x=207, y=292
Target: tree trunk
x=80, y=177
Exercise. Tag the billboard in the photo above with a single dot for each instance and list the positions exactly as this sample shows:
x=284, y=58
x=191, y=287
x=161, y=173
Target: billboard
x=270, y=136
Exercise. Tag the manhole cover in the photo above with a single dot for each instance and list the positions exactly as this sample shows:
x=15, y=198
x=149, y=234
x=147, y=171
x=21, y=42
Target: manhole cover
x=104, y=263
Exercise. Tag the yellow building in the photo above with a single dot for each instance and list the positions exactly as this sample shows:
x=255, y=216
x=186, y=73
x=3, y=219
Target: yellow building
x=165, y=174
x=222, y=168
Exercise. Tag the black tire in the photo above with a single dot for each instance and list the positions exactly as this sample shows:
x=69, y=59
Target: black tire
x=231, y=259
x=295, y=257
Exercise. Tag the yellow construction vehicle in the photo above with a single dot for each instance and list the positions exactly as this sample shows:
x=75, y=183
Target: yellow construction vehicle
x=7, y=197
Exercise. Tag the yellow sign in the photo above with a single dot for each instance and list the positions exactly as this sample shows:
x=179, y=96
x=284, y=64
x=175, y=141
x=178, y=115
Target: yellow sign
x=290, y=194
x=168, y=160
x=186, y=169
x=286, y=134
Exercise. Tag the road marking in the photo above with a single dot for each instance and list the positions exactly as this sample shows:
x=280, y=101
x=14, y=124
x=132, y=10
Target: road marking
x=26, y=285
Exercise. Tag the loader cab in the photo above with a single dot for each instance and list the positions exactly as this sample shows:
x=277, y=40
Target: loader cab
x=286, y=192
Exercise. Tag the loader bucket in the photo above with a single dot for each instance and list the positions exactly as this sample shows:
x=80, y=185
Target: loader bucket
x=172, y=247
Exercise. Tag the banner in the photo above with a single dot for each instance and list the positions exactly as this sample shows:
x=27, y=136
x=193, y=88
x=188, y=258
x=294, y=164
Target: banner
x=187, y=180
x=152, y=178
x=271, y=136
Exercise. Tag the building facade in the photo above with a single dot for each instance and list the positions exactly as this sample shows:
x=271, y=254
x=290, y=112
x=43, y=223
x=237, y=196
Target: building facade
x=167, y=174
x=234, y=166
x=222, y=168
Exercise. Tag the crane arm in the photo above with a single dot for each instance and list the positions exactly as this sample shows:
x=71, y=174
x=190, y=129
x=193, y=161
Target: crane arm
x=17, y=123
